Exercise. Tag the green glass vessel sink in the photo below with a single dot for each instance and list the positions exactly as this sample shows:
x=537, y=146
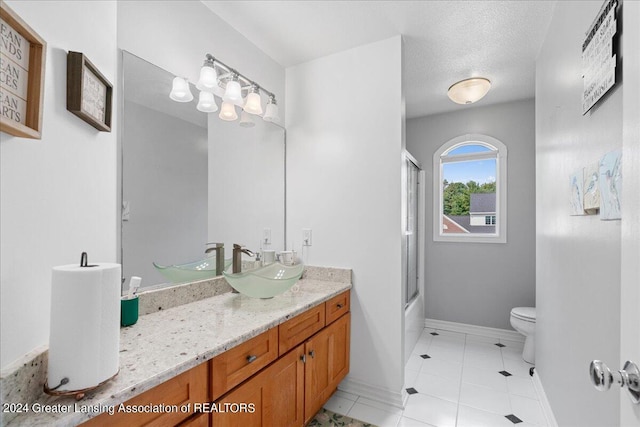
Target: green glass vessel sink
x=265, y=282
x=192, y=271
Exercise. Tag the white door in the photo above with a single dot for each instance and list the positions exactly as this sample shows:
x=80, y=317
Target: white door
x=630, y=264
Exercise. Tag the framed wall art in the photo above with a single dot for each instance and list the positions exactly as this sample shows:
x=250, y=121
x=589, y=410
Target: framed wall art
x=89, y=93
x=22, y=62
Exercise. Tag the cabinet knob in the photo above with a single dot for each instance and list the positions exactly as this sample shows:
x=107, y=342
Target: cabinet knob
x=303, y=358
x=312, y=353
x=339, y=305
x=251, y=358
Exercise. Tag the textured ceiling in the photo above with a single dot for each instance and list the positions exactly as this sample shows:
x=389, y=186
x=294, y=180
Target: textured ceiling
x=444, y=41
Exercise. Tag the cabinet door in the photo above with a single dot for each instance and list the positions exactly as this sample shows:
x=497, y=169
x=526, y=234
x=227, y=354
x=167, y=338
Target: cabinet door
x=327, y=364
x=276, y=393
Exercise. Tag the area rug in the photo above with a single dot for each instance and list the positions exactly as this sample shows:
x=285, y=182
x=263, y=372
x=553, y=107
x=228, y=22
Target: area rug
x=326, y=418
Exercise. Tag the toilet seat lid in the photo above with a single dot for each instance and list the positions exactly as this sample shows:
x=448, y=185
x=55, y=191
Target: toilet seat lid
x=524, y=313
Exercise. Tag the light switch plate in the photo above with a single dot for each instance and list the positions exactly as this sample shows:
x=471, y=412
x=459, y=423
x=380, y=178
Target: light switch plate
x=306, y=237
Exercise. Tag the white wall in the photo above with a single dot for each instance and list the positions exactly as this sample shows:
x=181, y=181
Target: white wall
x=479, y=283
x=344, y=147
x=578, y=257
x=58, y=194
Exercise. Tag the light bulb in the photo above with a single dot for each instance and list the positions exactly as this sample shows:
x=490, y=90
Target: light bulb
x=208, y=78
x=228, y=112
x=233, y=93
x=253, y=105
x=271, y=113
x=180, y=90
x=206, y=103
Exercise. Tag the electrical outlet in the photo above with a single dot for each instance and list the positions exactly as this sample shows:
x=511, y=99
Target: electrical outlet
x=306, y=237
x=266, y=236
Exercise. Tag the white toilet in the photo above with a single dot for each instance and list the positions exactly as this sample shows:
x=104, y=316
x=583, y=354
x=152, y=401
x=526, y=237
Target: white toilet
x=523, y=320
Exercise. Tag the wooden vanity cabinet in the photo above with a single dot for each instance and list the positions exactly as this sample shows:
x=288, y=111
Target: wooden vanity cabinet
x=292, y=390
x=281, y=377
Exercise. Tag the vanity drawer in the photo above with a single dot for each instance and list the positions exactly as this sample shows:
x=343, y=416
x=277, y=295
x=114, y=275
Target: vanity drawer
x=337, y=306
x=237, y=364
x=296, y=330
x=187, y=388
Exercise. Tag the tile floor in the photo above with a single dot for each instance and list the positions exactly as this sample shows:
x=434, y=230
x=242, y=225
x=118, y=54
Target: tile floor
x=456, y=380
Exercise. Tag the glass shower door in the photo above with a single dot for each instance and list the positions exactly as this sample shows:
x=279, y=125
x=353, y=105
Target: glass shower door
x=411, y=268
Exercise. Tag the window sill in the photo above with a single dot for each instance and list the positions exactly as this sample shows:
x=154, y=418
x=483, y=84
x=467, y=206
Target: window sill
x=471, y=239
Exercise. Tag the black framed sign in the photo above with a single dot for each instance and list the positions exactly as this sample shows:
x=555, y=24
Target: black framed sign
x=599, y=56
x=89, y=93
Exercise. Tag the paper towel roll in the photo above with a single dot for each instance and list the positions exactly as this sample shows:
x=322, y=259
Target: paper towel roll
x=84, y=341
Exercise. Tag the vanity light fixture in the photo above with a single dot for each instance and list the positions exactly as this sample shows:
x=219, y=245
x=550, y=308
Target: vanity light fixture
x=218, y=79
x=469, y=91
x=180, y=91
x=254, y=102
x=208, y=76
x=233, y=92
x=271, y=113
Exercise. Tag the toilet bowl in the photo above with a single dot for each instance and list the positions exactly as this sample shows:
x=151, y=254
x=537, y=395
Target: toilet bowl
x=523, y=320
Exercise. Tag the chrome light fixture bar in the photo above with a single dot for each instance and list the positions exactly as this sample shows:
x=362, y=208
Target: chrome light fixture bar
x=234, y=88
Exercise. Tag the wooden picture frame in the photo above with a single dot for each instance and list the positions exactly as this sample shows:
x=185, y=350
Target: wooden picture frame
x=22, y=54
x=89, y=93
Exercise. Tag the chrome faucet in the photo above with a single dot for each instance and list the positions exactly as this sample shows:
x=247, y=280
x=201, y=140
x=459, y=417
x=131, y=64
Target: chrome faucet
x=219, y=249
x=238, y=250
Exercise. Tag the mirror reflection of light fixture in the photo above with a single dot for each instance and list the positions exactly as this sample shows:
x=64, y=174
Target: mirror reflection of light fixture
x=180, y=91
x=271, y=113
x=218, y=79
x=245, y=120
x=469, y=91
x=206, y=102
x=228, y=111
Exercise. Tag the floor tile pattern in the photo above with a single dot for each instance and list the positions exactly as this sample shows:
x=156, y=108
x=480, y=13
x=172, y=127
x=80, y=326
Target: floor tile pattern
x=464, y=381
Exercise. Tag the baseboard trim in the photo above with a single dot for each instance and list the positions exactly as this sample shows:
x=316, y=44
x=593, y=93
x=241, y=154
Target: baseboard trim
x=397, y=399
x=465, y=328
x=544, y=402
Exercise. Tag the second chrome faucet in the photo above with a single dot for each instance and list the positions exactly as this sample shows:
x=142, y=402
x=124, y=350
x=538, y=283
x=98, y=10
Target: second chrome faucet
x=238, y=250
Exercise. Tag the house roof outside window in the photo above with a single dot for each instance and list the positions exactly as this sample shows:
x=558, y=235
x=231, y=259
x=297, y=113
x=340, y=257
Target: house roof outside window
x=482, y=203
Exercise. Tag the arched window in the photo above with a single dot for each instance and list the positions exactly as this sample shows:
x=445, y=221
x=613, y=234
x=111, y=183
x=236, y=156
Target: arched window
x=470, y=190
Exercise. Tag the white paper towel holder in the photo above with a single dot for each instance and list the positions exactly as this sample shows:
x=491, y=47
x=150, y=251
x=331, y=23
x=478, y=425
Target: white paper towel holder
x=78, y=394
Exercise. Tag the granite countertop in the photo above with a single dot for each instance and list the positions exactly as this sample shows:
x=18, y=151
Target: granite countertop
x=168, y=342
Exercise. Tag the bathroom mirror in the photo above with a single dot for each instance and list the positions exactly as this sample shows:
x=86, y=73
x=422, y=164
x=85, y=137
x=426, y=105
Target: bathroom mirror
x=189, y=178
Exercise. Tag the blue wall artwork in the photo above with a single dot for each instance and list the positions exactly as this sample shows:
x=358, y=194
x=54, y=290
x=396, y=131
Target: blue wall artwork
x=610, y=185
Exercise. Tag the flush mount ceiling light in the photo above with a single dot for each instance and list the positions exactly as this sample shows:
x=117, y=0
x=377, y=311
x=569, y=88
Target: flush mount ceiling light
x=217, y=78
x=469, y=91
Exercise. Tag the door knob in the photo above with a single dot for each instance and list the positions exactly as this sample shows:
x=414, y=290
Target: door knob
x=629, y=376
